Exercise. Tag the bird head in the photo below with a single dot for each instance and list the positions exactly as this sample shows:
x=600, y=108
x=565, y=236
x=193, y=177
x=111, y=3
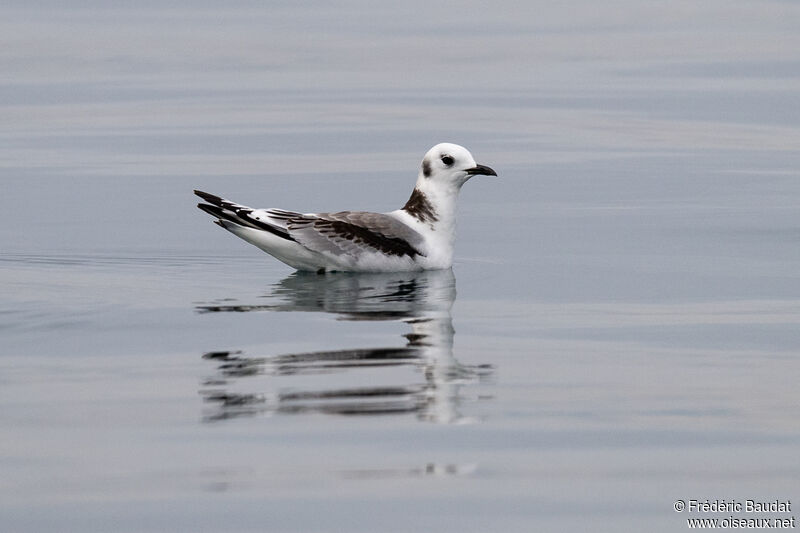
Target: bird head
x=450, y=164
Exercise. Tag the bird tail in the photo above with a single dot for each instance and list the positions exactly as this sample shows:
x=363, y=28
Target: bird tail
x=241, y=215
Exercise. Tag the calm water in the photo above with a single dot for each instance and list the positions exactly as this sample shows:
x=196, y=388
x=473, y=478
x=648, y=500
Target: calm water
x=621, y=328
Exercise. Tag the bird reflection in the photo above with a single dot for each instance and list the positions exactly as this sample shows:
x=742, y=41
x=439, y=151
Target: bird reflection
x=422, y=300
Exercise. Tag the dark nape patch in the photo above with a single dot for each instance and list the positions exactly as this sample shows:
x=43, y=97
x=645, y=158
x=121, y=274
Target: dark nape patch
x=420, y=208
x=358, y=234
x=426, y=168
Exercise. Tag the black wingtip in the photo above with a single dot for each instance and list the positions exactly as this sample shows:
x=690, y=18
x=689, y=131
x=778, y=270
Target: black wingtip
x=211, y=210
x=221, y=214
x=217, y=212
x=224, y=210
x=210, y=198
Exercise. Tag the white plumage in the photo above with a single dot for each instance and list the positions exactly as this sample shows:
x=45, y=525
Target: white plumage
x=419, y=236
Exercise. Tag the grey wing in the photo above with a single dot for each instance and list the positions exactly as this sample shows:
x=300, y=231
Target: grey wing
x=355, y=232
x=278, y=217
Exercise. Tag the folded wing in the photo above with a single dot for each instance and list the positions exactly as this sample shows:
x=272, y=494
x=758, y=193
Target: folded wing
x=349, y=233
x=355, y=232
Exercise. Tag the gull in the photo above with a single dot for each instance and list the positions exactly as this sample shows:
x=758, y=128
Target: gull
x=418, y=236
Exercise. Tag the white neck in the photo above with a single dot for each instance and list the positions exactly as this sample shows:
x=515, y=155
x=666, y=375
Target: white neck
x=434, y=204
x=443, y=199
x=432, y=210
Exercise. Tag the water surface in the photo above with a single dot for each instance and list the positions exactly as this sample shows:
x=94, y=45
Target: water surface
x=619, y=330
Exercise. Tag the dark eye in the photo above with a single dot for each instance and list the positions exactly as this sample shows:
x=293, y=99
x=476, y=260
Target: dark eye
x=447, y=160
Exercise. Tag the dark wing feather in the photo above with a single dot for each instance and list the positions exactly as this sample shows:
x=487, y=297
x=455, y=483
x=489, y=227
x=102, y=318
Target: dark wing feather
x=355, y=232
x=239, y=214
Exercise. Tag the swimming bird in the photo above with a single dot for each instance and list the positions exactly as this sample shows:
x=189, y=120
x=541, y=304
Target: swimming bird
x=418, y=236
